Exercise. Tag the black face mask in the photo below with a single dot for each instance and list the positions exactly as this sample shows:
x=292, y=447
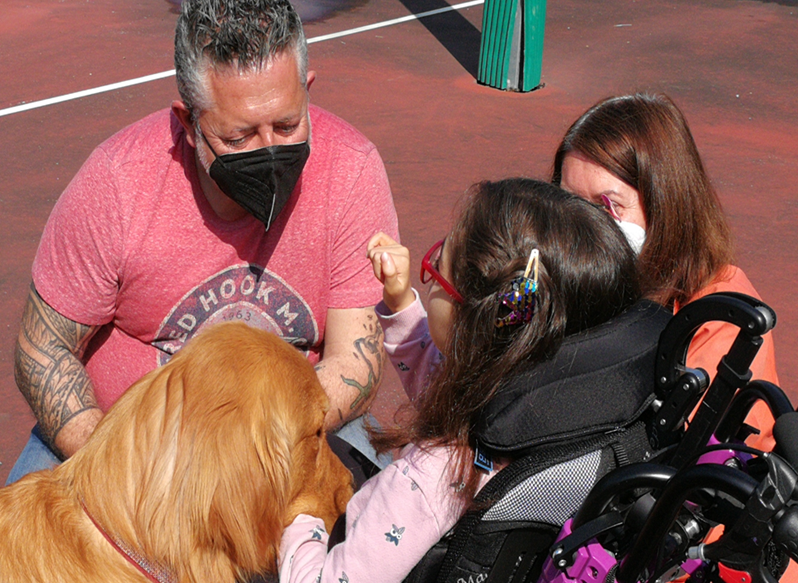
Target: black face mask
x=260, y=180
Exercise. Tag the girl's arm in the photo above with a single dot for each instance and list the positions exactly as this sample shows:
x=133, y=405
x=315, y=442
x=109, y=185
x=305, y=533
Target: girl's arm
x=402, y=316
x=409, y=346
x=390, y=525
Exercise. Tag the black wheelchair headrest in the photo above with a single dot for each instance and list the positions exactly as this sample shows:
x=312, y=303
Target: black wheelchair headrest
x=600, y=379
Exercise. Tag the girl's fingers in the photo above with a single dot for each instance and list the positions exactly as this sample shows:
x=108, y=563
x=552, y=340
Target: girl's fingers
x=380, y=240
x=388, y=265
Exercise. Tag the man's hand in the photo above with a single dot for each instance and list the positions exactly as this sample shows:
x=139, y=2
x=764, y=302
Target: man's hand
x=391, y=264
x=351, y=369
x=49, y=373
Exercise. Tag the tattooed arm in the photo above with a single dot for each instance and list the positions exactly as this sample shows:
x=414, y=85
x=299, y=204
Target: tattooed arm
x=50, y=375
x=351, y=368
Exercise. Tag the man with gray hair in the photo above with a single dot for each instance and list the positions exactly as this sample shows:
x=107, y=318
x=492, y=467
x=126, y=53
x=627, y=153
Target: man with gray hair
x=228, y=206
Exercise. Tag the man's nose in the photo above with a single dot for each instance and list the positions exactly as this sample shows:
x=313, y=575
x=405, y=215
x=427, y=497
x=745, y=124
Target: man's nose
x=263, y=139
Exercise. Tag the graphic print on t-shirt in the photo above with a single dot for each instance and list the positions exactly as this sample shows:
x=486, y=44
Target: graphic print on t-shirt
x=246, y=293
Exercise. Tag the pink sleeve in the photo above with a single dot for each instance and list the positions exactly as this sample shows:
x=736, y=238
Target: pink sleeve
x=304, y=542
x=368, y=209
x=76, y=268
x=391, y=523
x=409, y=346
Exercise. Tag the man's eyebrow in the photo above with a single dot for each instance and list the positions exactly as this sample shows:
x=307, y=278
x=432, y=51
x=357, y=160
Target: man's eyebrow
x=290, y=118
x=223, y=132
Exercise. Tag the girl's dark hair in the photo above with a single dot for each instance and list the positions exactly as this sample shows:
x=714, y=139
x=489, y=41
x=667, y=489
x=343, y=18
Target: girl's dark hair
x=587, y=275
x=644, y=140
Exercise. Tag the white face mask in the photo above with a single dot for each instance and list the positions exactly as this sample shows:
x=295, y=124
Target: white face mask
x=635, y=234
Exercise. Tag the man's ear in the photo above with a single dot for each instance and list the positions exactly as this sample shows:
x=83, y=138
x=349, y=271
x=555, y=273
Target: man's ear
x=311, y=78
x=183, y=115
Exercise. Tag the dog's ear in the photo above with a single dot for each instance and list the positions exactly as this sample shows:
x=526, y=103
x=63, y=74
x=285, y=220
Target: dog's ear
x=239, y=434
x=192, y=462
x=124, y=474
x=251, y=492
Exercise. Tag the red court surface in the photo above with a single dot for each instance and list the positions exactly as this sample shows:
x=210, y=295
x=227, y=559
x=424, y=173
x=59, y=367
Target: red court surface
x=731, y=65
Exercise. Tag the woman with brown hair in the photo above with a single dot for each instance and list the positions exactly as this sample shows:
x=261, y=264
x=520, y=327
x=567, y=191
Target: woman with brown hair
x=635, y=155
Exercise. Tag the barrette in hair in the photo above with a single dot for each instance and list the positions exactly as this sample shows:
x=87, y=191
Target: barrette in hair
x=521, y=301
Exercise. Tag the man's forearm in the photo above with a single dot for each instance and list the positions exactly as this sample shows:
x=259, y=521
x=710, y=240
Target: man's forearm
x=352, y=378
x=49, y=374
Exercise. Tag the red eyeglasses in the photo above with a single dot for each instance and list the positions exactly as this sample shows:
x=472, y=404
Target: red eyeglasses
x=430, y=271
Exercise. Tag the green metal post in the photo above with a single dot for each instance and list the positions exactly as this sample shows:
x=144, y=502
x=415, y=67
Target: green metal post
x=511, y=50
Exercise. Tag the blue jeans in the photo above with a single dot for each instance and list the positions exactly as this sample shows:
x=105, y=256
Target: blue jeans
x=34, y=457
x=38, y=456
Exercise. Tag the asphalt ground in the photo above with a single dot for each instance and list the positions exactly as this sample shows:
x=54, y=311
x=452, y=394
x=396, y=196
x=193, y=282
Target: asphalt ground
x=410, y=87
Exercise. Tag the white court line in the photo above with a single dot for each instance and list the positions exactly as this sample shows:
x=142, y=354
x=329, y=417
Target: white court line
x=163, y=75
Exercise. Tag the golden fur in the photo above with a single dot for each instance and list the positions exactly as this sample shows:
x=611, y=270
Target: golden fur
x=199, y=466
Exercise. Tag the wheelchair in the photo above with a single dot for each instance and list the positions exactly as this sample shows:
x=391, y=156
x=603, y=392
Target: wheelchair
x=633, y=496
x=650, y=521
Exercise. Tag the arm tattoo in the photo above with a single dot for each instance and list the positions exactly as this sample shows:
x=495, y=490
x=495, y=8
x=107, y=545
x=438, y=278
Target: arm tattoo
x=369, y=350
x=320, y=367
x=47, y=366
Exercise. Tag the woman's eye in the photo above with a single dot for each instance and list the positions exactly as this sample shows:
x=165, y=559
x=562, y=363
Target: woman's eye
x=611, y=206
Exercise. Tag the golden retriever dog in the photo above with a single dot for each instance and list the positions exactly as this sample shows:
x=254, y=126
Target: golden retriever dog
x=193, y=474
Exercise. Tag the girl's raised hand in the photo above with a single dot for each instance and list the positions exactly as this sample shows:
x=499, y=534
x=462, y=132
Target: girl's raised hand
x=391, y=264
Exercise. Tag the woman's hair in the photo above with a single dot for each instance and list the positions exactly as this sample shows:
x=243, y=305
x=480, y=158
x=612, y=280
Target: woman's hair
x=587, y=275
x=644, y=140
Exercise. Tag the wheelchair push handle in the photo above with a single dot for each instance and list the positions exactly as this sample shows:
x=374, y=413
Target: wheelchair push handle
x=770, y=512
x=753, y=317
x=668, y=507
x=785, y=533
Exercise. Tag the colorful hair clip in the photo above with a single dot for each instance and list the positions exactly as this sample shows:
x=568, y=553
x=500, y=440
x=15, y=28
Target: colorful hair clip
x=521, y=301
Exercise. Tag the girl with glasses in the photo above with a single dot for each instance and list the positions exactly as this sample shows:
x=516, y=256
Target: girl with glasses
x=525, y=265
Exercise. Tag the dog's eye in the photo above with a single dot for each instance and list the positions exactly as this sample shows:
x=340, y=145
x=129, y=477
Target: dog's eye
x=318, y=433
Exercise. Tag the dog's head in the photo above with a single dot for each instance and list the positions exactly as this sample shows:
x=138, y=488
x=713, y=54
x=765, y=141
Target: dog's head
x=205, y=460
